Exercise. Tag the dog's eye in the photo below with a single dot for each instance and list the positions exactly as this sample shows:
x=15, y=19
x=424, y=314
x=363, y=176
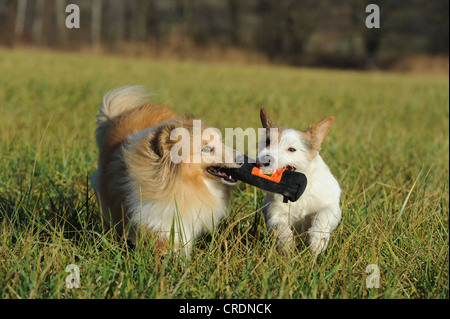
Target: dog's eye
x=207, y=149
x=291, y=149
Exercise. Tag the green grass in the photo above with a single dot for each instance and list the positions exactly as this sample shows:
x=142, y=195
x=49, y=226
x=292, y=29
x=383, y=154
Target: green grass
x=388, y=149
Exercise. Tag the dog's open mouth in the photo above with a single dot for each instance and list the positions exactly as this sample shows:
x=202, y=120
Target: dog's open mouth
x=290, y=168
x=222, y=173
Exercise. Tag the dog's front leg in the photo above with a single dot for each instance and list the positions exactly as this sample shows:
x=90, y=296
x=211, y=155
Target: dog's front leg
x=324, y=222
x=283, y=232
x=278, y=222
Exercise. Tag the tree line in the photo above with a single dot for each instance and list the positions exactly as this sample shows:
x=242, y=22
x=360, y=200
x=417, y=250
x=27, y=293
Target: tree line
x=298, y=32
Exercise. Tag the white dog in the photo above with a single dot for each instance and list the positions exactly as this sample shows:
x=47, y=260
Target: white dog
x=317, y=211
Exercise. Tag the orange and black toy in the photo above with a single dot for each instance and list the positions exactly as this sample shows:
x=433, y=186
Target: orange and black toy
x=287, y=183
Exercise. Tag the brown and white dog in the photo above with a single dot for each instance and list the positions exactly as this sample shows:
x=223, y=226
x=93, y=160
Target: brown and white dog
x=141, y=188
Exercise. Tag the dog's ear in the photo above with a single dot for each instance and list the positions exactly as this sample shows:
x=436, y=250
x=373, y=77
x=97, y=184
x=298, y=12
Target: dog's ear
x=266, y=121
x=160, y=142
x=318, y=131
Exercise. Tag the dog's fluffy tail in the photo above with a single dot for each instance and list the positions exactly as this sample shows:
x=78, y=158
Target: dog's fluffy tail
x=120, y=100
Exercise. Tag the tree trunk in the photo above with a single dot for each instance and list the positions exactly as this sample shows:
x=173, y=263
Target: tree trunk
x=96, y=22
x=20, y=18
x=119, y=14
x=233, y=7
x=61, y=22
x=38, y=23
x=138, y=23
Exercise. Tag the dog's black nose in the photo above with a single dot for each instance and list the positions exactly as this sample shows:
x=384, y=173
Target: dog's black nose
x=264, y=160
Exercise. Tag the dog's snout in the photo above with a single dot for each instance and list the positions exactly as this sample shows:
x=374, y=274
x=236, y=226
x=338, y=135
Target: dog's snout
x=265, y=161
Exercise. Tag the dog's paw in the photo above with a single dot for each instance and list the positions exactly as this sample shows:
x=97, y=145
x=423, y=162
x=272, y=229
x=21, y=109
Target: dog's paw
x=318, y=241
x=284, y=241
x=285, y=244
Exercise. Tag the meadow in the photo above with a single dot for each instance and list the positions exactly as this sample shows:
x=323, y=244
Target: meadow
x=388, y=148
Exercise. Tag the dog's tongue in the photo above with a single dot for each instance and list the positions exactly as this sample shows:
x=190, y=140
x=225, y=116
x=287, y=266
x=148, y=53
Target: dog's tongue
x=222, y=173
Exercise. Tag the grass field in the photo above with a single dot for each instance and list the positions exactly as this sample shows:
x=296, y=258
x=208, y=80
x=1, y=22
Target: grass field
x=388, y=148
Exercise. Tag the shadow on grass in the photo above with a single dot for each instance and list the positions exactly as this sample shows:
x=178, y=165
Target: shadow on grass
x=50, y=209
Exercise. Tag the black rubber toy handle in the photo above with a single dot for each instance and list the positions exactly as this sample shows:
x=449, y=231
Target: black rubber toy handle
x=287, y=183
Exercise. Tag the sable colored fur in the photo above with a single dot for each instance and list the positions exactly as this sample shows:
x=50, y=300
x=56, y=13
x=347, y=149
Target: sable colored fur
x=141, y=190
